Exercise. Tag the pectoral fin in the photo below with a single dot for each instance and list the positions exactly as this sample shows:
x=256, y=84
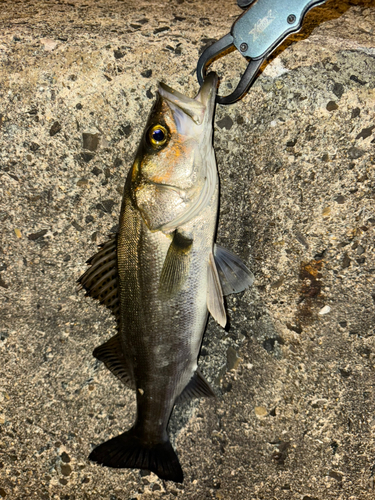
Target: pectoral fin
x=215, y=299
x=198, y=387
x=111, y=354
x=234, y=275
x=176, y=266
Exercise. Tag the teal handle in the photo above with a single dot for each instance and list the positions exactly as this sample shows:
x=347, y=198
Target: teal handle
x=259, y=30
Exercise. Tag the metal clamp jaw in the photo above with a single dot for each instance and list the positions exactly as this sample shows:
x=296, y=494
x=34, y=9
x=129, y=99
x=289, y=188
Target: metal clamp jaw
x=256, y=34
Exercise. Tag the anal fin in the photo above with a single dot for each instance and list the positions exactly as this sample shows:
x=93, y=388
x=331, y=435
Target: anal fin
x=111, y=354
x=198, y=387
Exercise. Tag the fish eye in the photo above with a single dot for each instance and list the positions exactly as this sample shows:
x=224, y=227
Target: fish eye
x=157, y=135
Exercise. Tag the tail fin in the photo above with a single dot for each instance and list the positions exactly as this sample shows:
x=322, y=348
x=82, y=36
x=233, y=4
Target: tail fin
x=129, y=451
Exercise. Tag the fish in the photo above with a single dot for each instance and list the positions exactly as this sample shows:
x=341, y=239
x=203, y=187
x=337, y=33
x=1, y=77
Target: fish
x=162, y=274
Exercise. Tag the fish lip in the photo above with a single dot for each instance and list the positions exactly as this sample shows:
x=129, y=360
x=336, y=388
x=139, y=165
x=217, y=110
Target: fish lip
x=201, y=108
x=207, y=92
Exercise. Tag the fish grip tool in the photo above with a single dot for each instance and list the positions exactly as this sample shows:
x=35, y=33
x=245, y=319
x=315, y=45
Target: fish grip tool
x=256, y=34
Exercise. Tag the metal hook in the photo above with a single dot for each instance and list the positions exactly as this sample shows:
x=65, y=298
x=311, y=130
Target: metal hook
x=247, y=78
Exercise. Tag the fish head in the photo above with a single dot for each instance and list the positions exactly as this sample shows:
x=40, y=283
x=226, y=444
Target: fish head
x=174, y=173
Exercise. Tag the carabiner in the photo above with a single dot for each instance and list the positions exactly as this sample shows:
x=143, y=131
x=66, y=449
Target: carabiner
x=256, y=34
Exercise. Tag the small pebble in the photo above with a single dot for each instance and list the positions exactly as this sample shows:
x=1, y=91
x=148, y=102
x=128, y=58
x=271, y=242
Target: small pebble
x=340, y=199
x=82, y=182
x=55, y=129
x=365, y=132
x=325, y=310
x=65, y=457
x=355, y=79
x=225, y=123
x=260, y=411
x=335, y=475
x=331, y=106
x=106, y=206
x=125, y=130
x=96, y=171
x=346, y=261
x=90, y=141
x=38, y=235
x=360, y=250
x=233, y=359
x=87, y=157
x=355, y=153
x=161, y=30
x=338, y=89
x=77, y=226
x=48, y=44
x=118, y=54
x=147, y=73
x=355, y=112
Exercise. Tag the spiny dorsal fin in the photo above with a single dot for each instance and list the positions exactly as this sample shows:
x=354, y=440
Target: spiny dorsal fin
x=215, y=300
x=100, y=280
x=176, y=266
x=111, y=354
x=234, y=275
x=198, y=387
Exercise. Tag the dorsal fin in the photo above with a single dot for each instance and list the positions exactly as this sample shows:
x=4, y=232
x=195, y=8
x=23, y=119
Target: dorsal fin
x=100, y=281
x=111, y=354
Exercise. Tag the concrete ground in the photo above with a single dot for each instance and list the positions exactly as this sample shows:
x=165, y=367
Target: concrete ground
x=294, y=374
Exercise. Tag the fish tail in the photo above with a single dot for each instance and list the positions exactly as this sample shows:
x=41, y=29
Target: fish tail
x=128, y=451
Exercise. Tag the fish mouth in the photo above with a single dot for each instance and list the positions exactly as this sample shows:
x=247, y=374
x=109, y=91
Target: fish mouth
x=201, y=108
x=207, y=93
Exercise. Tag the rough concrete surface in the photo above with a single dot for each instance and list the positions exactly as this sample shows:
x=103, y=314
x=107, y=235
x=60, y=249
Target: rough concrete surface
x=294, y=373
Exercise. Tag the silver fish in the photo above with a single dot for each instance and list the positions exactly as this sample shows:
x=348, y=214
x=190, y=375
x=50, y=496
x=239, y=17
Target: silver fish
x=162, y=274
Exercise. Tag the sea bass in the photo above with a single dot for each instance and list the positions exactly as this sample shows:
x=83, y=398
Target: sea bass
x=162, y=274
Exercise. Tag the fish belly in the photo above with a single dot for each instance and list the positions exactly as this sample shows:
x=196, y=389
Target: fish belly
x=161, y=337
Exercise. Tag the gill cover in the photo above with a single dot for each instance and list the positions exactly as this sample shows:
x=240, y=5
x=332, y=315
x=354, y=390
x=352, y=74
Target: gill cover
x=174, y=174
